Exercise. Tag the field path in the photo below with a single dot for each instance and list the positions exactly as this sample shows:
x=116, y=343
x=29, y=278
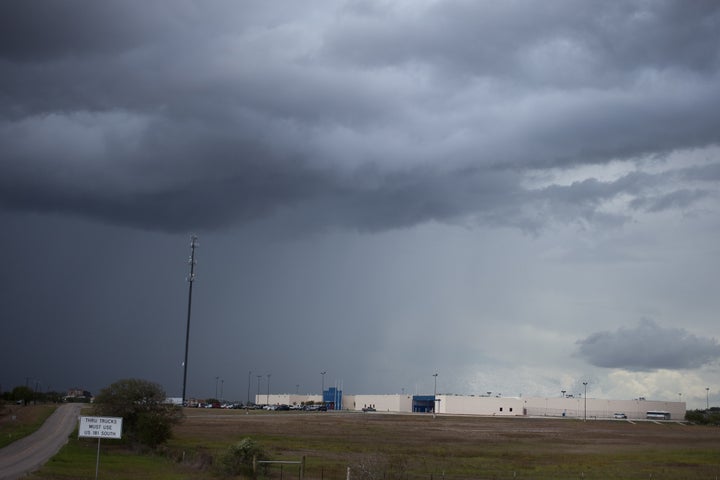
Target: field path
x=29, y=453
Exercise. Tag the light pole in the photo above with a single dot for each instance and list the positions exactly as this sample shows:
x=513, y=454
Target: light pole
x=258, y=389
x=322, y=387
x=216, y=387
x=563, y=393
x=222, y=389
x=707, y=398
x=190, y=280
x=585, y=399
x=435, y=375
x=679, y=397
x=248, y=395
x=268, y=392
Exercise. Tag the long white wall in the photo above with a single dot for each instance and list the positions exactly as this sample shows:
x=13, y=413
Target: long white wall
x=600, y=408
x=381, y=403
x=285, y=399
x=471, y=405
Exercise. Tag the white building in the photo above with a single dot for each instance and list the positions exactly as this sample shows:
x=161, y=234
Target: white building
x=286, y=399
x=472, y=405
x=579, y=407
x=381, y=403
x=570, y=407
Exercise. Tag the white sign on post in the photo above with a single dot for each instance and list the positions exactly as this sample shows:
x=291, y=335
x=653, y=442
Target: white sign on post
x=100, y=427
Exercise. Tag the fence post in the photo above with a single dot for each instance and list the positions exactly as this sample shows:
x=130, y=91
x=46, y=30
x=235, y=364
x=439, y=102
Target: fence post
x=347, y=477
x=302, y=468
x=254, y=464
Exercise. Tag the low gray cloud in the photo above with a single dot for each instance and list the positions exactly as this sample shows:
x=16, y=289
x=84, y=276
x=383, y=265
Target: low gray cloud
x=648, y=346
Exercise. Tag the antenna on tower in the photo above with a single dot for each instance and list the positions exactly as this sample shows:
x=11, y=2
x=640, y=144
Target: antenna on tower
x=190, y=278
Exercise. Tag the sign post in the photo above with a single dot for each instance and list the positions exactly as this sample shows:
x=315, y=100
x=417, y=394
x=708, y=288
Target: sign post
x=100, y=427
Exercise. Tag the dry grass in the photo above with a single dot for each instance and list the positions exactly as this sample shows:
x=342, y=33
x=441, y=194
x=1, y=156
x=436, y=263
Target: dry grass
x=418, y=446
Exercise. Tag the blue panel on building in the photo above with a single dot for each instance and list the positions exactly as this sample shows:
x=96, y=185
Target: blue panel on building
x=423, y=403
x=332, y=398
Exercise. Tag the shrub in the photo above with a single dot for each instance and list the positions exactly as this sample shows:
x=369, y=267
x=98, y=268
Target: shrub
x=239, y=457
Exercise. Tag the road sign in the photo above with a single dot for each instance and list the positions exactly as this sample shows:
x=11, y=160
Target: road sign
x=100, y=427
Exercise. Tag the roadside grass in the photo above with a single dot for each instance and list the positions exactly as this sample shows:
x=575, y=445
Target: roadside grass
x=19, y=421
x=77, y=459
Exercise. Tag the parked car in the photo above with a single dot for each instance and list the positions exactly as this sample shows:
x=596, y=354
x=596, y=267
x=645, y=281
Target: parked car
x=619, y=415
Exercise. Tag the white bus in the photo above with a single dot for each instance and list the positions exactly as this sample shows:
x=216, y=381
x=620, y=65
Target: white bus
x=658, y=415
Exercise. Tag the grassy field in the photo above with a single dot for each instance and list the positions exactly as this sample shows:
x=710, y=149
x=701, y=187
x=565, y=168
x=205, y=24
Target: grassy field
x=386, y=446
x=17, y=421
x=418, y=446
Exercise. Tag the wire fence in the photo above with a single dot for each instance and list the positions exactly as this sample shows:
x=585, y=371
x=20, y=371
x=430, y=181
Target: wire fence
x=299, y=470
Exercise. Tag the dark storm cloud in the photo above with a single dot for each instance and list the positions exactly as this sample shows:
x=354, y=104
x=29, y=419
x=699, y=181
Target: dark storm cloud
x=42, y=30
x=648, y=346
x=183, y=115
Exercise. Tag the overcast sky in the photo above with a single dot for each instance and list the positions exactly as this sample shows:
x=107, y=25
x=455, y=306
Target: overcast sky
x=520, y=196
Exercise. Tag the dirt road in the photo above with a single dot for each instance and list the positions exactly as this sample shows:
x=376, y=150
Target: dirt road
x=31, y=452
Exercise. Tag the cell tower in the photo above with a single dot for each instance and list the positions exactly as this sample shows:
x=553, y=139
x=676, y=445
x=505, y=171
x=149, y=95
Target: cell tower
x=190, y=279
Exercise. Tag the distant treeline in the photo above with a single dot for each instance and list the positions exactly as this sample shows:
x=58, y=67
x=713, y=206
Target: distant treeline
x=710, y=416
x=25, y=395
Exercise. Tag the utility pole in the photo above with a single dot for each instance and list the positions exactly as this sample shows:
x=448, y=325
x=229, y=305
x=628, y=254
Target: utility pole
x=585, y=398
x=190, y=279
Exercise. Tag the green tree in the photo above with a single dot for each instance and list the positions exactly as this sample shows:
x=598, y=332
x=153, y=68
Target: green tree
x=147, y=417
x=23, y=394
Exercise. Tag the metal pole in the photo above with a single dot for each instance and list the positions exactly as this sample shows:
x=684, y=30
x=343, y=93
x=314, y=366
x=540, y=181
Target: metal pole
x=585, y=398
x=707, y=398
x=248, y=395
x=268, y=392
x=258, y=389
x=97, y=462
x=190, y=280
x=435, y=394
